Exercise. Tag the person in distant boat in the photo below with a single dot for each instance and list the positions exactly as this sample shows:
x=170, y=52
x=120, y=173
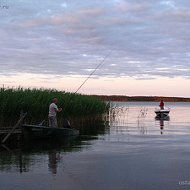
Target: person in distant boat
x=161, y=105
x=53, y=109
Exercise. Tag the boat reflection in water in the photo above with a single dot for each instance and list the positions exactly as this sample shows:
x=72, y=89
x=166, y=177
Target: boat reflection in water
x=162, y=119
x=26, y=155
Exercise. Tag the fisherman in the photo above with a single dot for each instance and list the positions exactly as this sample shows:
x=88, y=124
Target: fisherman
x=53, y=109
x=161, y=105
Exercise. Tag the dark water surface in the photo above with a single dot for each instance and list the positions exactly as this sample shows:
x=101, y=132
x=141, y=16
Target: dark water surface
x=133, y=152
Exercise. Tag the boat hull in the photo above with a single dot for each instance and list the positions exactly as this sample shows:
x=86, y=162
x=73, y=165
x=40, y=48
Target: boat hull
x=162, y=113
x=43, y=132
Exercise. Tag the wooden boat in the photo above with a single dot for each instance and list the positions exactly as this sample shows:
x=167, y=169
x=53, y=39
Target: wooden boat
x=162, y=112
x=43, y=132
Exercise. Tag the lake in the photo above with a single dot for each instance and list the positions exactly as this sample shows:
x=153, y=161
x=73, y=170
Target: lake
x=131, y=151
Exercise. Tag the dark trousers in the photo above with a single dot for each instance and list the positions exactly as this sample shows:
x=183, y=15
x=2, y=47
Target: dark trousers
x=52, y=121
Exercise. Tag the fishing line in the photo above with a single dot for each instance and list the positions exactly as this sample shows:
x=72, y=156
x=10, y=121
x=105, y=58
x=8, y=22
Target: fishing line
x=92, y=72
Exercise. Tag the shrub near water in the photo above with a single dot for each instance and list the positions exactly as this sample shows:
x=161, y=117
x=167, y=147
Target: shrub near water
x=36, y=103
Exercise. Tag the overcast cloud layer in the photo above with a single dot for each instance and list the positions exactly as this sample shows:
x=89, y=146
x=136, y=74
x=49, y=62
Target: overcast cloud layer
x=144, y=39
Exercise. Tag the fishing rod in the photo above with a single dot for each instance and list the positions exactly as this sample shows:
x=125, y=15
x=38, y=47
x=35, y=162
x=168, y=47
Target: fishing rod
x=92, y=72
x=67, y=121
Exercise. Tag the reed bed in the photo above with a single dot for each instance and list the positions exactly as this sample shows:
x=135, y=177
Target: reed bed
x=36, y=103
x=117, y=115
x=141, y=117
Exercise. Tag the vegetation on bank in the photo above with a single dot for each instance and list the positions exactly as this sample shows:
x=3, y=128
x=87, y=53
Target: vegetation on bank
x=141, y=98
x=36, y=103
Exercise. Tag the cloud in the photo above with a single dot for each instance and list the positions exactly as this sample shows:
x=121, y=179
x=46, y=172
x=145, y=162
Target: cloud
x=72, y=18
x=144, y=40
x=126, y=6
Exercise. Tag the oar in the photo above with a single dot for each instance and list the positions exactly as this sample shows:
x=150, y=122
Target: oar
x=12, y=130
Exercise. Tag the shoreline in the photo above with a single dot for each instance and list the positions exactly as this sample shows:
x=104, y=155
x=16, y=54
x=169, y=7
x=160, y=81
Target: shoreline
x=140, y=98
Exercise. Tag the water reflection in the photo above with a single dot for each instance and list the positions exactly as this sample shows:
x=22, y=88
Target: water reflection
x=126, y=119
x=53, y=159
x=161, y=122
x=25, y=156
x=11, y=159
x=117, y=157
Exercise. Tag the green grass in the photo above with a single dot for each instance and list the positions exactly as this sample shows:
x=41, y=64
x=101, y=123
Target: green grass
x=36, y=103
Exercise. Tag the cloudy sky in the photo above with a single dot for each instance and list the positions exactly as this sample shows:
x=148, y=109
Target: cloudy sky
x=145, y=45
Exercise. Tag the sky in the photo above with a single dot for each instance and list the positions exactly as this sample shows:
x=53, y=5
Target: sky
x=142, y=47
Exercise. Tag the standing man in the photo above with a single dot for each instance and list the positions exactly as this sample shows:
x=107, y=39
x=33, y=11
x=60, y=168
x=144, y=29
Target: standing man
x=53, y=109
x=161, y=105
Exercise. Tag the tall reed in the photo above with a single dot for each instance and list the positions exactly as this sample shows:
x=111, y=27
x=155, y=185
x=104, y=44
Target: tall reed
x=36, y=103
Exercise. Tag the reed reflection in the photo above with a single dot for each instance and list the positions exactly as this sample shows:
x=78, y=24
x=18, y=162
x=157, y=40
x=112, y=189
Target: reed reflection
x=127, y=119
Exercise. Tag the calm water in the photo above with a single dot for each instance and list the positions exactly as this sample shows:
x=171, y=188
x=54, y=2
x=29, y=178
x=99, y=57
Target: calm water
x=132, y=151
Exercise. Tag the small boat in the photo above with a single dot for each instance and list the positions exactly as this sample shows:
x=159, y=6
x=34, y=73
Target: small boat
x=43, y=132
x=162, y=112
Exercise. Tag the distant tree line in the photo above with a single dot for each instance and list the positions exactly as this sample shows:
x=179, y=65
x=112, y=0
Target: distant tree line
x=141, y=98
